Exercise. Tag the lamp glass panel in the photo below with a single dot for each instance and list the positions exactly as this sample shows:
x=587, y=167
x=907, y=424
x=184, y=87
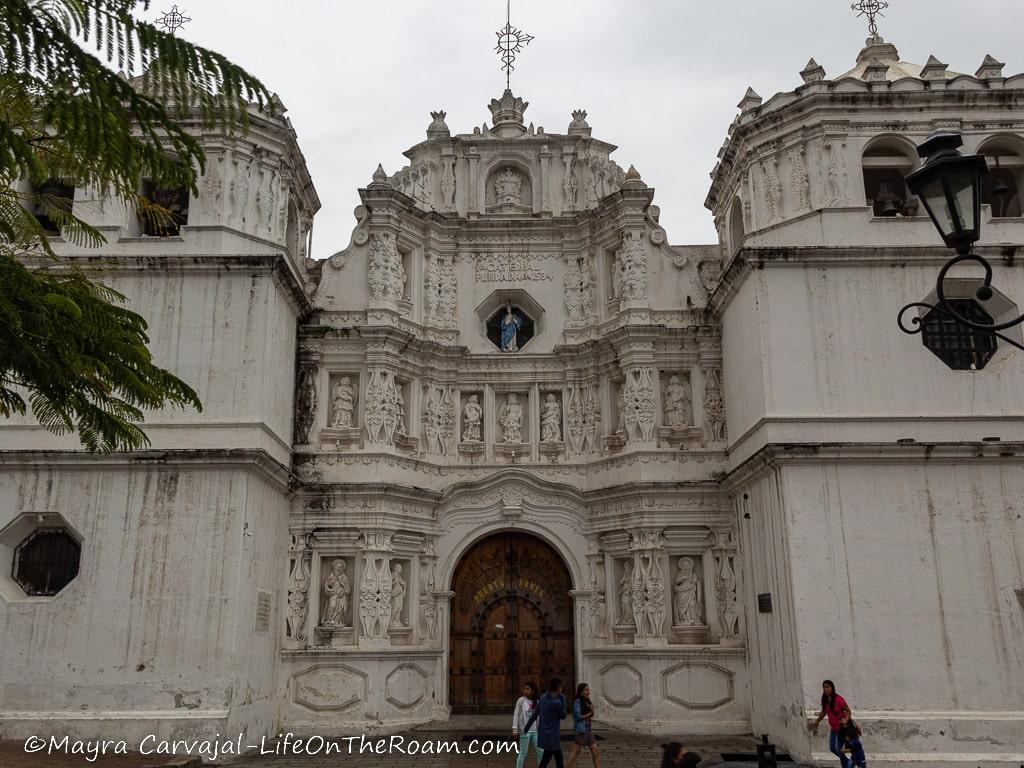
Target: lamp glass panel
x=961, y=188
x=933, y=194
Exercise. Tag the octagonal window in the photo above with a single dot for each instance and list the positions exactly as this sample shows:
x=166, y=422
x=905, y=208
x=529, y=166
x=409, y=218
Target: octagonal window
x=960, y=347
x=510, y=328
x=46, y=561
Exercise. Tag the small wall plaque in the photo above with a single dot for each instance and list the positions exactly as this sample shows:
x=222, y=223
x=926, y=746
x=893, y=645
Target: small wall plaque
x=764, y=603
x=262, y=611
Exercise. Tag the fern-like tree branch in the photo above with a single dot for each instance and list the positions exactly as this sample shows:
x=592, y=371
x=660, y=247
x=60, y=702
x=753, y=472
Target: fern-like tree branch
x=72, y=108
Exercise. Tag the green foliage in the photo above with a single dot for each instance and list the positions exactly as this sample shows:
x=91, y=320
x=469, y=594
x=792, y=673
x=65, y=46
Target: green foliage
x=66, y=342
x=81, y=358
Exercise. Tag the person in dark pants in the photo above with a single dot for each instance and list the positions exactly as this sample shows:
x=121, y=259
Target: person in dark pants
x=835, y=708
x=549, y=714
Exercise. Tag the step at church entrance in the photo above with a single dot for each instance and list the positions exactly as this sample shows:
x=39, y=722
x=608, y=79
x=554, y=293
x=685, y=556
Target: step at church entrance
x=512, y=623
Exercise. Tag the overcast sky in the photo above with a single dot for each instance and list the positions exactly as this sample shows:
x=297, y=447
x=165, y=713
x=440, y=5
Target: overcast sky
x=659, y=78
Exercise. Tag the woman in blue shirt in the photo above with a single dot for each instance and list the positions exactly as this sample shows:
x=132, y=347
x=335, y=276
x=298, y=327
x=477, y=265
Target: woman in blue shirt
x=582, y=726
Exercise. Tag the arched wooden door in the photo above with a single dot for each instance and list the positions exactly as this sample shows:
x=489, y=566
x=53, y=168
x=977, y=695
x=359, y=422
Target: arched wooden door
x=512, y=622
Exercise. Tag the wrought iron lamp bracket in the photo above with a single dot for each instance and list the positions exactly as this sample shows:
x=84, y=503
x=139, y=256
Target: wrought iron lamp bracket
x=983, y=293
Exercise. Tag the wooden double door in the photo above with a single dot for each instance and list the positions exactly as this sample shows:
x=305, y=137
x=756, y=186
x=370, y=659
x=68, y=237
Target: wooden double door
x=512, y=623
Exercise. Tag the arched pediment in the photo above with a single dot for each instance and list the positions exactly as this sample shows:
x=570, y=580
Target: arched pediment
x=511, y=488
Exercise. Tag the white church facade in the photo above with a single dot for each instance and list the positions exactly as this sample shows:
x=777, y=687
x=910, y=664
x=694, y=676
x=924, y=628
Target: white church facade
x=509, y=432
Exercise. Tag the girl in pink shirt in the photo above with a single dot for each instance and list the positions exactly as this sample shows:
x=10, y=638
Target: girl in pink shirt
x=835, y=708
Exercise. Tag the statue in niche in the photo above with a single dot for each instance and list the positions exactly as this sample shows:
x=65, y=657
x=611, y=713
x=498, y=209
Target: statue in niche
x=337, y=591
x=472, y=415
x=511, y=419
x=343, y=400
x=508, y=186
x=397, y=595
x=399, y=412
x=626, y=596
x=676, y=403
x=551, y=420
x=686, y=603
x=510, y=325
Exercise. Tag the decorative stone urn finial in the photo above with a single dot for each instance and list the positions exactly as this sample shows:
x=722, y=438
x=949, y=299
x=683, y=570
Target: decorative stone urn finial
x=380, y=176
x=579, y=125
x=438, y=129
x=507, y=113
x=632, y=178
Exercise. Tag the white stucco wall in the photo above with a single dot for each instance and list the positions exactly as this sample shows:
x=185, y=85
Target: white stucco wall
x=156, y=633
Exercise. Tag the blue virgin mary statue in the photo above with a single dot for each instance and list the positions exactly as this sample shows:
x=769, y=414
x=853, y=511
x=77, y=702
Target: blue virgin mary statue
x=510, y=326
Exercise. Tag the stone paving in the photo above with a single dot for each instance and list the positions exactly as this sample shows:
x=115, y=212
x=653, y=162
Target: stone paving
x=618, y=750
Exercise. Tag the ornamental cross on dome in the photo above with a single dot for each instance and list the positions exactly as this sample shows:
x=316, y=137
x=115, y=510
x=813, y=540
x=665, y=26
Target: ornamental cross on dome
x=510, y=42
x=872, y=9
x=173, y=20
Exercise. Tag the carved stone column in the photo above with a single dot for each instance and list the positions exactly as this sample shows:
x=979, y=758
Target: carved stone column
x=545, y=177
x=473, y=203
x=381, y=407
x=724, y=559
x=714, y=405
x=428, y=610
x=597, y=610
x=306, y=401
x=640, y=405
x=300, y=558
x=649, y=593
x=375, y=590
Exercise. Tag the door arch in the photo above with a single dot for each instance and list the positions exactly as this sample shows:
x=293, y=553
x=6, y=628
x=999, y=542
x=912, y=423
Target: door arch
x=511, y=622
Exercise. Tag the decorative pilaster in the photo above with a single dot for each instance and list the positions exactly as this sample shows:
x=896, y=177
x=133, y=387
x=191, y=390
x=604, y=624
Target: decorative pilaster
x=382, y=407
x=648, y=589
x=428, y=608
x=305, y=394
x=300, y=557
x=545, y=177
x=800, y=185
x=473, y=204
x=640, y=408
x=723, y=553
x=375, y=589
x=597, y=610
x=714, y=404
x=772, y=190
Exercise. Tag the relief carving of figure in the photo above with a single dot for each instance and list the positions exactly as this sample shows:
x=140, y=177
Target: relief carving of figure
x=686, y=602
x=626, y=596
x=399, y=409
x=551, y=420
x=676, y=403
x=337, y=591
x=511, y=419
x=570, y=185
x=508, y=186
x=397, y=596
x=510, y=325
x=343, y=401
x=472, y=415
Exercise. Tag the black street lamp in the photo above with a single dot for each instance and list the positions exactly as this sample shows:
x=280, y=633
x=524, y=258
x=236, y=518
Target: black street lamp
x=949, y=187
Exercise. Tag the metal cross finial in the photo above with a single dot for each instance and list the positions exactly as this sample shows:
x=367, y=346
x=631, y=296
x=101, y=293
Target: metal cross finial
x=173, y=20
x=871, y=9
x=510, y=42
